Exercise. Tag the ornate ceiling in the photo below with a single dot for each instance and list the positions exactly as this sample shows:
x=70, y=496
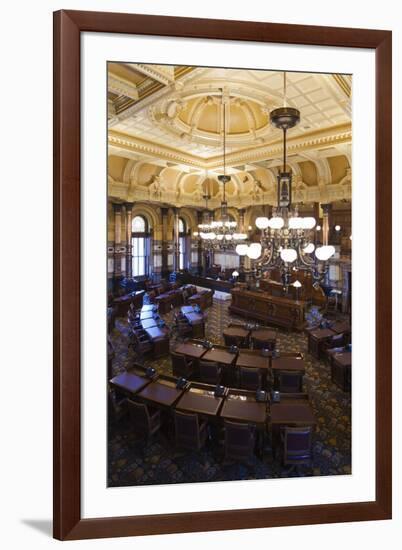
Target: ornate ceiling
x=165, y=134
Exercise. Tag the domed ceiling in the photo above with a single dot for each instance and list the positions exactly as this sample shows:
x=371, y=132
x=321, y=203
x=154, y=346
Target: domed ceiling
x=166, y=128
x=200, y=119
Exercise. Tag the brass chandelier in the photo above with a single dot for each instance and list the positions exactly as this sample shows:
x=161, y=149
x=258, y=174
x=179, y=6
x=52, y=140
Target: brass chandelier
x=220, y=234
x=287, y=239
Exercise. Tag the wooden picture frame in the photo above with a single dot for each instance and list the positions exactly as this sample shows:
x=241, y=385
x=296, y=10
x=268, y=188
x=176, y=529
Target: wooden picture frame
x=68, y=26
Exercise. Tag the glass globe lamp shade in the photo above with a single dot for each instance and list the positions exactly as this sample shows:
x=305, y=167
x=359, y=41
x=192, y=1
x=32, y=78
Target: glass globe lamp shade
x=212, y=236
x=297, y=284
x=262, y=222
x=241, y=249
x=295, y=223
x=276, y=222
x=323, y=253
x=235, y=273
x=308, y=223
x=288, y=255
x=254, y=251
x=309, y=248
x=195, y=234
x=219, y=237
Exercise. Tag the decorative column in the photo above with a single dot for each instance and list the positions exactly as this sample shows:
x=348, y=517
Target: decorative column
x=241, y=230
x=117, y=241
x=129, y=251
x=164, y=266
x=176, y=242
x=326, y=209
x=199, y=245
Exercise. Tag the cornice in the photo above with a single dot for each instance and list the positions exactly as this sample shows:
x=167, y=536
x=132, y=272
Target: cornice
x=313, y=140
x=124, y=141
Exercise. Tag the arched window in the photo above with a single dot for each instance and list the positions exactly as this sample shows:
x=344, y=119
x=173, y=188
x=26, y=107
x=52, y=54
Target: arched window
x=139, y=241
x=182, y=243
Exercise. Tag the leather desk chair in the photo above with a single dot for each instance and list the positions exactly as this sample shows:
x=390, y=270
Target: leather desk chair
x=181, y=365
x=250, y=378
x=210, y=372
x=144, y=420
x=289, y=382
x=190, y=432
x=297, y=446
x=240, y=441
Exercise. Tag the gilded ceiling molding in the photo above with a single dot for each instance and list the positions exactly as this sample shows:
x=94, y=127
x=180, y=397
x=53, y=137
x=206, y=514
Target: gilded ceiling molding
x=121, y=86
x=164, y=74
x=323, y=138
x=343, y=83
x=157, y=92
x=129, y=143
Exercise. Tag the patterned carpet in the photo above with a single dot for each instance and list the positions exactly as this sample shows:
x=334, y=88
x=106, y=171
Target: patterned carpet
x=130, y=462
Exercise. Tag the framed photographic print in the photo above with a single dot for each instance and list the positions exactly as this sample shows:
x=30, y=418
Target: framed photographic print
x=208, y=179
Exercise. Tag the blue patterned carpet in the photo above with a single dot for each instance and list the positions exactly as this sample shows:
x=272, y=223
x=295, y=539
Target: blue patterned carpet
x=132, y=463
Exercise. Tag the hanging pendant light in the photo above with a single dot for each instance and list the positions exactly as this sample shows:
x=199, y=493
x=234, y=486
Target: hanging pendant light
x=222, y=234
x=286, y=238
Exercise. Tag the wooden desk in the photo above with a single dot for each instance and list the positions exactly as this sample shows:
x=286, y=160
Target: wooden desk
x=129, y=382
x=122, y=303
x=200, y=401
x=292, y=413
x=195, y=351
x=242, y=408
x=316, y=338
x=341, y=326
x=156, y=333
x=146, y=314
x=160, y=340
x=148, y=323
x=276, y=310
x=161, y=392
x=252, y=359
x=288, y=363
x=236, y=332
x=147, y=307
x=208, y=282
x=202, y=298
x=221, y=356
x=341, y=374
x=264, y=335
x=194, y=318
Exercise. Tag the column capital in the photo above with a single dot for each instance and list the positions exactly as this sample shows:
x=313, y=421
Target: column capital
x=129, y=205
x=117, y=207
x=326, y=208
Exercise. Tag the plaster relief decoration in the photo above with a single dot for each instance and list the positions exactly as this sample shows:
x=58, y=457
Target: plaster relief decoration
x=171, y=117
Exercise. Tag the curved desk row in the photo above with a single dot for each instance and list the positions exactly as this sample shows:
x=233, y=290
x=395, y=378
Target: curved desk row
x=236, y=405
